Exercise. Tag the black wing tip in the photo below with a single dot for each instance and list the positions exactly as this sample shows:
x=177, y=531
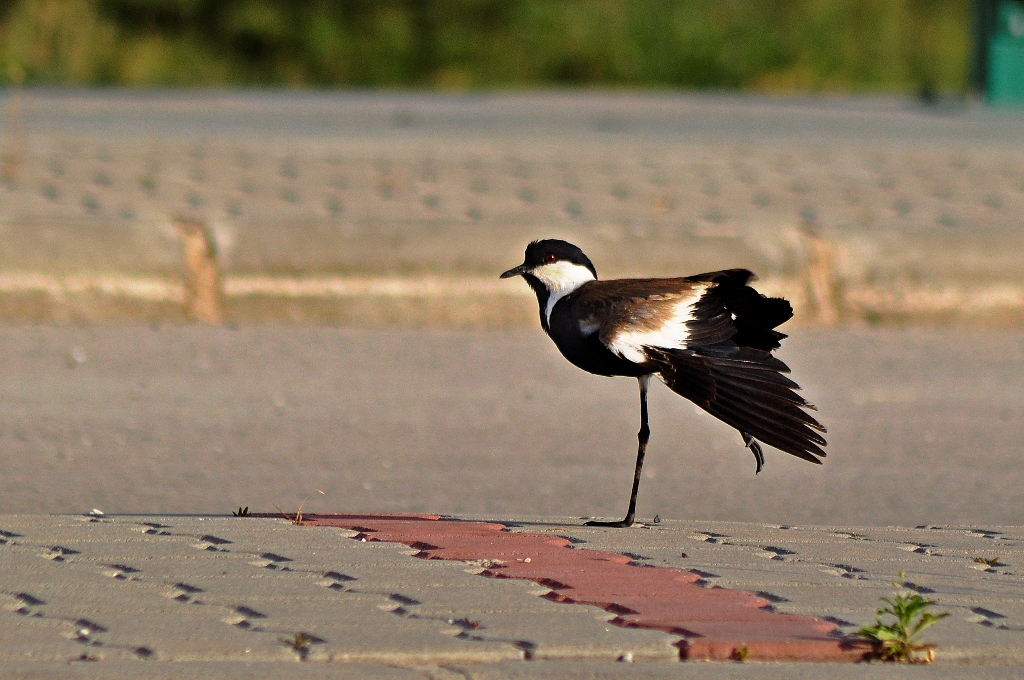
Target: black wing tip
x=738, y=276
x=809, y=452
x=738, y=388
x=806, y=451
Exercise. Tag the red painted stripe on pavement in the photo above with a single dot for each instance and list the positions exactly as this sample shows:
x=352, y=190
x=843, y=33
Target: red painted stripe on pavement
x=716, y=623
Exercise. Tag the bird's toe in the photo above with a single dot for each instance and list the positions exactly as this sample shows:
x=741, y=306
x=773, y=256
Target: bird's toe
x=621, y=524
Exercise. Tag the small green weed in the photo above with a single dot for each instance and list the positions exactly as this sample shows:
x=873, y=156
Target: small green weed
x=741, y=653
x=299, y=643
x=241, y=512
x=894, y=641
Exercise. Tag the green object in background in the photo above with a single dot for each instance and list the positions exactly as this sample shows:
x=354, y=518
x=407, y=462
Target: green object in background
x=783, y=46
x=1006, y=55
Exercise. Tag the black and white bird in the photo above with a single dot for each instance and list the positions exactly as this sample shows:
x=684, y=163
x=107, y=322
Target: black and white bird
x=709, y=337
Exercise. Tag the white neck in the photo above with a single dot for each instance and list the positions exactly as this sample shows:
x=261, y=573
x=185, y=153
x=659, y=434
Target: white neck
x=561, y=278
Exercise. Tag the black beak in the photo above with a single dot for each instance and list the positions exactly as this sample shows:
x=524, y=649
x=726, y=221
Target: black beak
x=515, y=271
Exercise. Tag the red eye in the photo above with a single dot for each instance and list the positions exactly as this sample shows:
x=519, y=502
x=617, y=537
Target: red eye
x=550, y=258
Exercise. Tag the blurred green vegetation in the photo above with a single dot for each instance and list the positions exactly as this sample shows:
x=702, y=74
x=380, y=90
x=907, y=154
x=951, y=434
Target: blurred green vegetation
x=767, y=45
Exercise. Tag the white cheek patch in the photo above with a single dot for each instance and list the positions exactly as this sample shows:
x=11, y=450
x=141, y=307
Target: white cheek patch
x=561, y=278
x=671, y=333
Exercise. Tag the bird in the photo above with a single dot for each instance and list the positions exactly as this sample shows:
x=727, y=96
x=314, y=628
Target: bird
x=708, y=337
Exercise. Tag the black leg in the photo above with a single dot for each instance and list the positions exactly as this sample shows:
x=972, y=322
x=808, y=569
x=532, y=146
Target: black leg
x=642, y=437
x=755, y=449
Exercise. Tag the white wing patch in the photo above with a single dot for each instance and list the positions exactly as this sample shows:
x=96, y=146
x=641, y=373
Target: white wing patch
x=645, y=330
x=561, y=278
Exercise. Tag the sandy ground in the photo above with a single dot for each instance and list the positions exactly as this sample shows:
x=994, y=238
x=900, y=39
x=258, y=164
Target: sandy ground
x=924, y=427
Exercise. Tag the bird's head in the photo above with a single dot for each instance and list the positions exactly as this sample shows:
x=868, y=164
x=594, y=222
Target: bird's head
x=555, y=264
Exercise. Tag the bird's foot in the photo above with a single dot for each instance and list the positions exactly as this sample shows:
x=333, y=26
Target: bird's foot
x=621, y=524
x=755, y=449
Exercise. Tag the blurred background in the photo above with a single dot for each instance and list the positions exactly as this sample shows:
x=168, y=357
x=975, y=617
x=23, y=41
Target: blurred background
x=249, y=249
x=777, y=46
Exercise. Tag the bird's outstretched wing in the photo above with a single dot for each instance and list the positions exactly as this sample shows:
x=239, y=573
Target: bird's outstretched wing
x=710, y=337
x=747, y=389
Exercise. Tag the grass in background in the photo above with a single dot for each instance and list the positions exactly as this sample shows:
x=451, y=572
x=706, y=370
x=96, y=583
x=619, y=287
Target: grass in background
x=769, y=45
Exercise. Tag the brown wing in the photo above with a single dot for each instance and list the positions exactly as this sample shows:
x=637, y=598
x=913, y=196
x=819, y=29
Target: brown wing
x=623, y=307
x=694, y=311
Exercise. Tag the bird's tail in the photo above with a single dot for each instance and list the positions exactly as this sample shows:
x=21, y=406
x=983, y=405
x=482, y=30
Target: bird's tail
x=749, y=316
x=745, y=388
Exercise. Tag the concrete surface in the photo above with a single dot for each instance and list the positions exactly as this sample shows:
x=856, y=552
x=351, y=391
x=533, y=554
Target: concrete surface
x=924, y=427
x=243, y=115
x=544, y=670
x=178, y=596
x=912, y=199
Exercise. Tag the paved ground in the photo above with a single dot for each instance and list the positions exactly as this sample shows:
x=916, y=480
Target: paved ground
x=241, y=114
x=225, y=597
x=921, y=208
x=924, y=427
x=913, y=200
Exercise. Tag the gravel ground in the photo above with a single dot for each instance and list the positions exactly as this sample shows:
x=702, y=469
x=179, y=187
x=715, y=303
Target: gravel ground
x=925, y=427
